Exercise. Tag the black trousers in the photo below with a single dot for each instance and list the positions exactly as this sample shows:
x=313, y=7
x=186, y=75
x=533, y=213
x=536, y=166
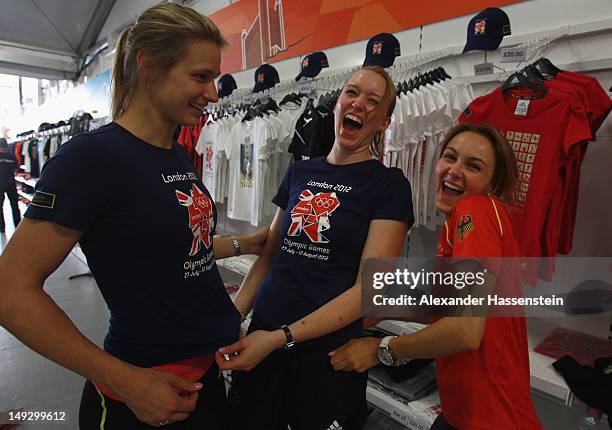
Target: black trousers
x=11, y=192
x=299, y=388
x=98, y=412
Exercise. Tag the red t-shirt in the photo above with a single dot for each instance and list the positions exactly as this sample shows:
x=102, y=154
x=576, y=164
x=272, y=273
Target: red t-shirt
x=542, y=141
x=487, y=388
x=599, y=106
x=568, y=177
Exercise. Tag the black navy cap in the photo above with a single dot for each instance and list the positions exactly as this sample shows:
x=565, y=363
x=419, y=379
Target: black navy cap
x=312, y=65
x=226, y=85
x=381, y=50
x=487, y=29
x=266, y=77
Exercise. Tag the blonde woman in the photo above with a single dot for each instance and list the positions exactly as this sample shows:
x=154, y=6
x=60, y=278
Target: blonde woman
x=133, y=200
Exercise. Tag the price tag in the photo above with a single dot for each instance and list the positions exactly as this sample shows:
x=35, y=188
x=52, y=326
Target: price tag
x=305, y=89
x=517, y=54
x=483, y=69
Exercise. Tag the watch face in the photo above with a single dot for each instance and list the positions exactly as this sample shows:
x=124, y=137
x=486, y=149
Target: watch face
x=385, y=357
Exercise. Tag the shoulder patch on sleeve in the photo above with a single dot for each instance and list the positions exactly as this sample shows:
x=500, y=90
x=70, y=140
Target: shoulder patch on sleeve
x=43, y=200
x=464, y=226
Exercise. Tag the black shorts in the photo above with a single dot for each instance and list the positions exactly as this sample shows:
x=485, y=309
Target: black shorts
x=98, y=411
x=299, y=388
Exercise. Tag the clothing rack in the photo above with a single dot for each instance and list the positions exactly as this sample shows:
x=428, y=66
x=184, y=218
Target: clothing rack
x=542, y=41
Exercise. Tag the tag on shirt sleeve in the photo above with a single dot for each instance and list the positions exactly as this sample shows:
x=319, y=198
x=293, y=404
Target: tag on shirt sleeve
x=522, y=107
x=43, y=200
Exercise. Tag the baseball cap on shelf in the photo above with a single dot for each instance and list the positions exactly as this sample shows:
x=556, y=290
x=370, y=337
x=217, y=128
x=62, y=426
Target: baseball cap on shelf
x=312, y=65
x=266, y=77
x=381, y=50
x=226, y=85
x=487, y=29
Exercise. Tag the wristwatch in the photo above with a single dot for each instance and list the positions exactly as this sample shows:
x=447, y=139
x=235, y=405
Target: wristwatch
x=236, y=244
x=385, y=355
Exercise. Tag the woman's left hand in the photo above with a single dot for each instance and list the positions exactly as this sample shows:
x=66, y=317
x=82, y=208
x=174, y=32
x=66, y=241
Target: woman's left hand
x=254, y=243
x=357, y=355
x=249, y=351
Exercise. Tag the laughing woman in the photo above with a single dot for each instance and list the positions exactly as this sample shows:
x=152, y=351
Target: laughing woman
x=305, y=287
x=482, y=362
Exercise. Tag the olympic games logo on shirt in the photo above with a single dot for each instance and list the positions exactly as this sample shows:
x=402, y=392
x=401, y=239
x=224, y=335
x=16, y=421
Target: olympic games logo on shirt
x=311, y=215
x=201, y=221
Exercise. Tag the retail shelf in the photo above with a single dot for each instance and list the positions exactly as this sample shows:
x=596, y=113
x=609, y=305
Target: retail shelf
x=26, y=196
x=399, y=328
x=416, y=415
x=240, y=265
x=29, y=182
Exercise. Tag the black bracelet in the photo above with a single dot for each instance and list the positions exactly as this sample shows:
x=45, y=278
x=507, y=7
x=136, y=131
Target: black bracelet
x=290, y=342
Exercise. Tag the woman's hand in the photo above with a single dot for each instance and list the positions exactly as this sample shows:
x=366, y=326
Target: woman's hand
x=254, y=243
x=249, y=351
x=356, y=355
x=155, y=397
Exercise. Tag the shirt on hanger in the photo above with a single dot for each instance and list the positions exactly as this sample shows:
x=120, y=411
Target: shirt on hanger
x=542, y=140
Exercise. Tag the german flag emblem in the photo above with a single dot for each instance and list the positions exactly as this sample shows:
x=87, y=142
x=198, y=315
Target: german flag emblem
x=464, y=227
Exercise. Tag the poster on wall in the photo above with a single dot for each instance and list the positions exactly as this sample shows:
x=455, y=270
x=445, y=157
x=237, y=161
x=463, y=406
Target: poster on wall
x=266, y=31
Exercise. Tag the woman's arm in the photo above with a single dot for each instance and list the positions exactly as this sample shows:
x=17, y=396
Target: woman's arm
x=385, y=239
x=24, y=266
x=446, y=336
x=248, y=290
x=223, y=246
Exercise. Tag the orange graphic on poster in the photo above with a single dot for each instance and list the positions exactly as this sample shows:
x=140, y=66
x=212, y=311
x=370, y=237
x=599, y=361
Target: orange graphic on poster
x=266, y=31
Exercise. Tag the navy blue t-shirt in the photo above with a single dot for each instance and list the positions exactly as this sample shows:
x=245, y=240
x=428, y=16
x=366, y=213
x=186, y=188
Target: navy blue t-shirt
x=148, y=226
x=328, y=209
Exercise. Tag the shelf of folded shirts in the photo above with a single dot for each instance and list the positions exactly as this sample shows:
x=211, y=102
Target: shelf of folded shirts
x=544, y=379
x=26, y=196
x=240, y=264
x=29, y=182
x=416, y=415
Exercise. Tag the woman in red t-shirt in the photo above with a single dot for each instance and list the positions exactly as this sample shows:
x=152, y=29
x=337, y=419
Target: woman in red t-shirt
x=482, y=362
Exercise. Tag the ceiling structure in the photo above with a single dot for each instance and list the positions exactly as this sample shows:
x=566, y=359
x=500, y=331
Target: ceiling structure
x=49, y=38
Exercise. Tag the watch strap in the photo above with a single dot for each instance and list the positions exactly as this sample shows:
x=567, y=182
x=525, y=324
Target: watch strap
x=290, y=342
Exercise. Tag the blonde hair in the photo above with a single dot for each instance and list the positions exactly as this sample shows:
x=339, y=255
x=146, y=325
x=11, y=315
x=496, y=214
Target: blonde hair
x=162, y=32
x=376, y=146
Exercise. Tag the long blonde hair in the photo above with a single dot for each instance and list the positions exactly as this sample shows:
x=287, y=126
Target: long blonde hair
x=162, y=32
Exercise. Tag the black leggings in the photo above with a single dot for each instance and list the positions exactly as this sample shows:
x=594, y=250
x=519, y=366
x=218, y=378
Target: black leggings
x=298, y=388
x=99, y=412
